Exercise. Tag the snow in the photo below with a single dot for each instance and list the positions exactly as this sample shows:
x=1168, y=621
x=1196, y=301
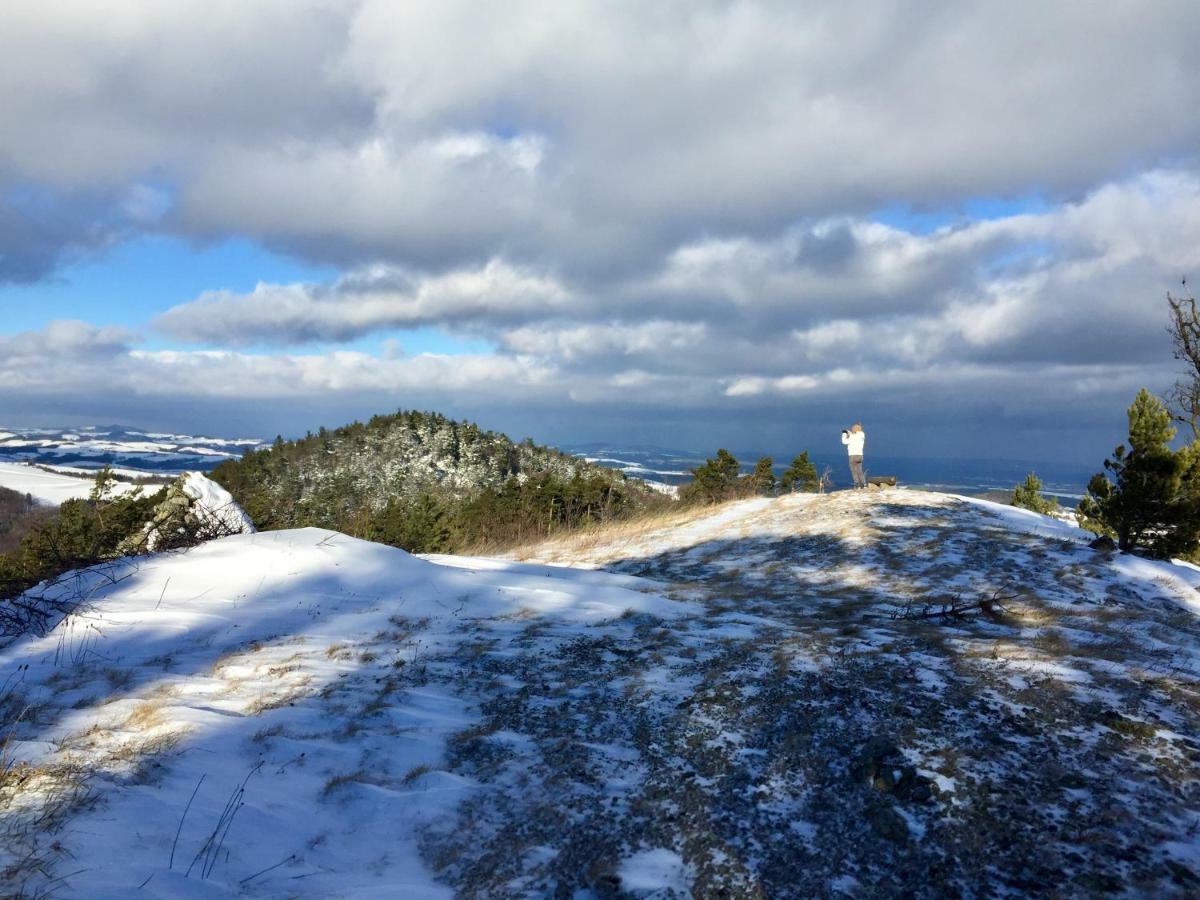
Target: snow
x=215, y=503
x=1031, y=522
x=144, y=453
x=662, y=488
x=250, y=659
x=51, y=488
x=688, y=713
x=81, y=472
x=654, y=871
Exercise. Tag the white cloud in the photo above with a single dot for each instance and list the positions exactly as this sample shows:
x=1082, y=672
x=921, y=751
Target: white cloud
x=371, y=299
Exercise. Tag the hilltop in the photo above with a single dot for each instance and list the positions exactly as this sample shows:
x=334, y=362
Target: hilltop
x=335, y=477
x=848, y=694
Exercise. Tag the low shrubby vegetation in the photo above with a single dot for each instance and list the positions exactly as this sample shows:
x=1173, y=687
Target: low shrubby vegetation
x=45, y=547
x=1028, y=495
x=79, y=533
x=19, y=514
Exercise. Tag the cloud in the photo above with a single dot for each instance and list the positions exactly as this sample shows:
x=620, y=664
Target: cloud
x=643, y=207
x=592, y=137
x=71, y=370
x=63, y=356
x=40, y=233
x=1078, y=282
x=371, y=299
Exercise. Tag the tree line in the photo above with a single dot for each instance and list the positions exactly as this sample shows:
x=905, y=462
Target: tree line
x=719, y=479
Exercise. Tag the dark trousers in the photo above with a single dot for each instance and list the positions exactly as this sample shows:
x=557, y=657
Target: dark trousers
x=856, y=471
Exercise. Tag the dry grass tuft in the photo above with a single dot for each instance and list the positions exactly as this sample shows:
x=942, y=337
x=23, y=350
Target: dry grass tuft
x=416, y=772
x=337, y=782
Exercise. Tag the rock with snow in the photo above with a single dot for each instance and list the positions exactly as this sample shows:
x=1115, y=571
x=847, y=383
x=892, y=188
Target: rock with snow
x=195, y=509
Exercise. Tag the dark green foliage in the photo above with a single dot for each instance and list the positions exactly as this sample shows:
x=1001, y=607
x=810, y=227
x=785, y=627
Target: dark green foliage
x=423, y=526
x=762, y=479
x=82, y=533
x=714, y=481
x=1150, y=498
x=1028, y=495
x=520, y=511
x=426, y=483
x=801, y=475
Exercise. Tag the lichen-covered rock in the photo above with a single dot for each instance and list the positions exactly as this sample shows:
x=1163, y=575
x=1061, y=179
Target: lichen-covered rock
x=195, y=509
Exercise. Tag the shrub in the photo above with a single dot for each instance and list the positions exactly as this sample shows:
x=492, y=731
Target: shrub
x=82, y=533
x=1028, y=495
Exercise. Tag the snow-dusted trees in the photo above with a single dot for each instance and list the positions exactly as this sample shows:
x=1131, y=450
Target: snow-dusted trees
x=351, y=474
x=1150, y=497
x=423, y=482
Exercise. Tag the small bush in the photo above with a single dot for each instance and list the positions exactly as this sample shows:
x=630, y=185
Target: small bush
x=1028, y=495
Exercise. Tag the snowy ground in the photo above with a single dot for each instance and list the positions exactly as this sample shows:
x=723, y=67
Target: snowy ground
x=760, y=702
x=51, y=488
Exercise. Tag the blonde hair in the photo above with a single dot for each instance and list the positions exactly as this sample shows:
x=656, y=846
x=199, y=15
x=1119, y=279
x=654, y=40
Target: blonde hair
x=857, y=426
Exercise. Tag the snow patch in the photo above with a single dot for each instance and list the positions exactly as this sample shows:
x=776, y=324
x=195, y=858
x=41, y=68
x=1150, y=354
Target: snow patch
x=655, y=870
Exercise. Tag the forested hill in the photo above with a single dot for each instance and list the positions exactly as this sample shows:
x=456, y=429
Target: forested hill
x=405, y=465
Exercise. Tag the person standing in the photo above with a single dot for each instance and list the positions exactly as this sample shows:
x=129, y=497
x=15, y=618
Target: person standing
x=855, y=439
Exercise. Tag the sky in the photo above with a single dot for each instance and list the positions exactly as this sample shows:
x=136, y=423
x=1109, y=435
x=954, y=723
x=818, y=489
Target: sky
x=682, y=224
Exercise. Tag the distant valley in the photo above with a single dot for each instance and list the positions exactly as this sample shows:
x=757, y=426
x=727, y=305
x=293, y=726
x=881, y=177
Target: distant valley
x=93, y=447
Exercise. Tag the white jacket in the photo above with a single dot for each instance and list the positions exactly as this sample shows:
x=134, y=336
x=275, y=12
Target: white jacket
x=854, y=441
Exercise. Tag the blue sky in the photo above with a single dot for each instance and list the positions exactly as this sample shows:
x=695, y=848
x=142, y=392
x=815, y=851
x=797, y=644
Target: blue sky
x=654, y=226
x=131, y=283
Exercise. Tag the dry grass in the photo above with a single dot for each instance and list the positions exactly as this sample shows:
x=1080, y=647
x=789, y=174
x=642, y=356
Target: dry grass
x=337, y=782
x=612, y=538
x=286, y=697
x=148, y=714
x=416, y=772
x=35, y=800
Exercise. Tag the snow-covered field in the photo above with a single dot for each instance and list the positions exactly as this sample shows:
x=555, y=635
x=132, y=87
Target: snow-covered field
x=758, y=702
x=139, y=451
x=50, y=487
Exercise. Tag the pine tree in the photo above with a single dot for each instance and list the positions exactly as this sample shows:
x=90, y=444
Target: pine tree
x=801, y=475
x=1152, y=500
x=714, y=481
x=762, y=479
x=1028, y=495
